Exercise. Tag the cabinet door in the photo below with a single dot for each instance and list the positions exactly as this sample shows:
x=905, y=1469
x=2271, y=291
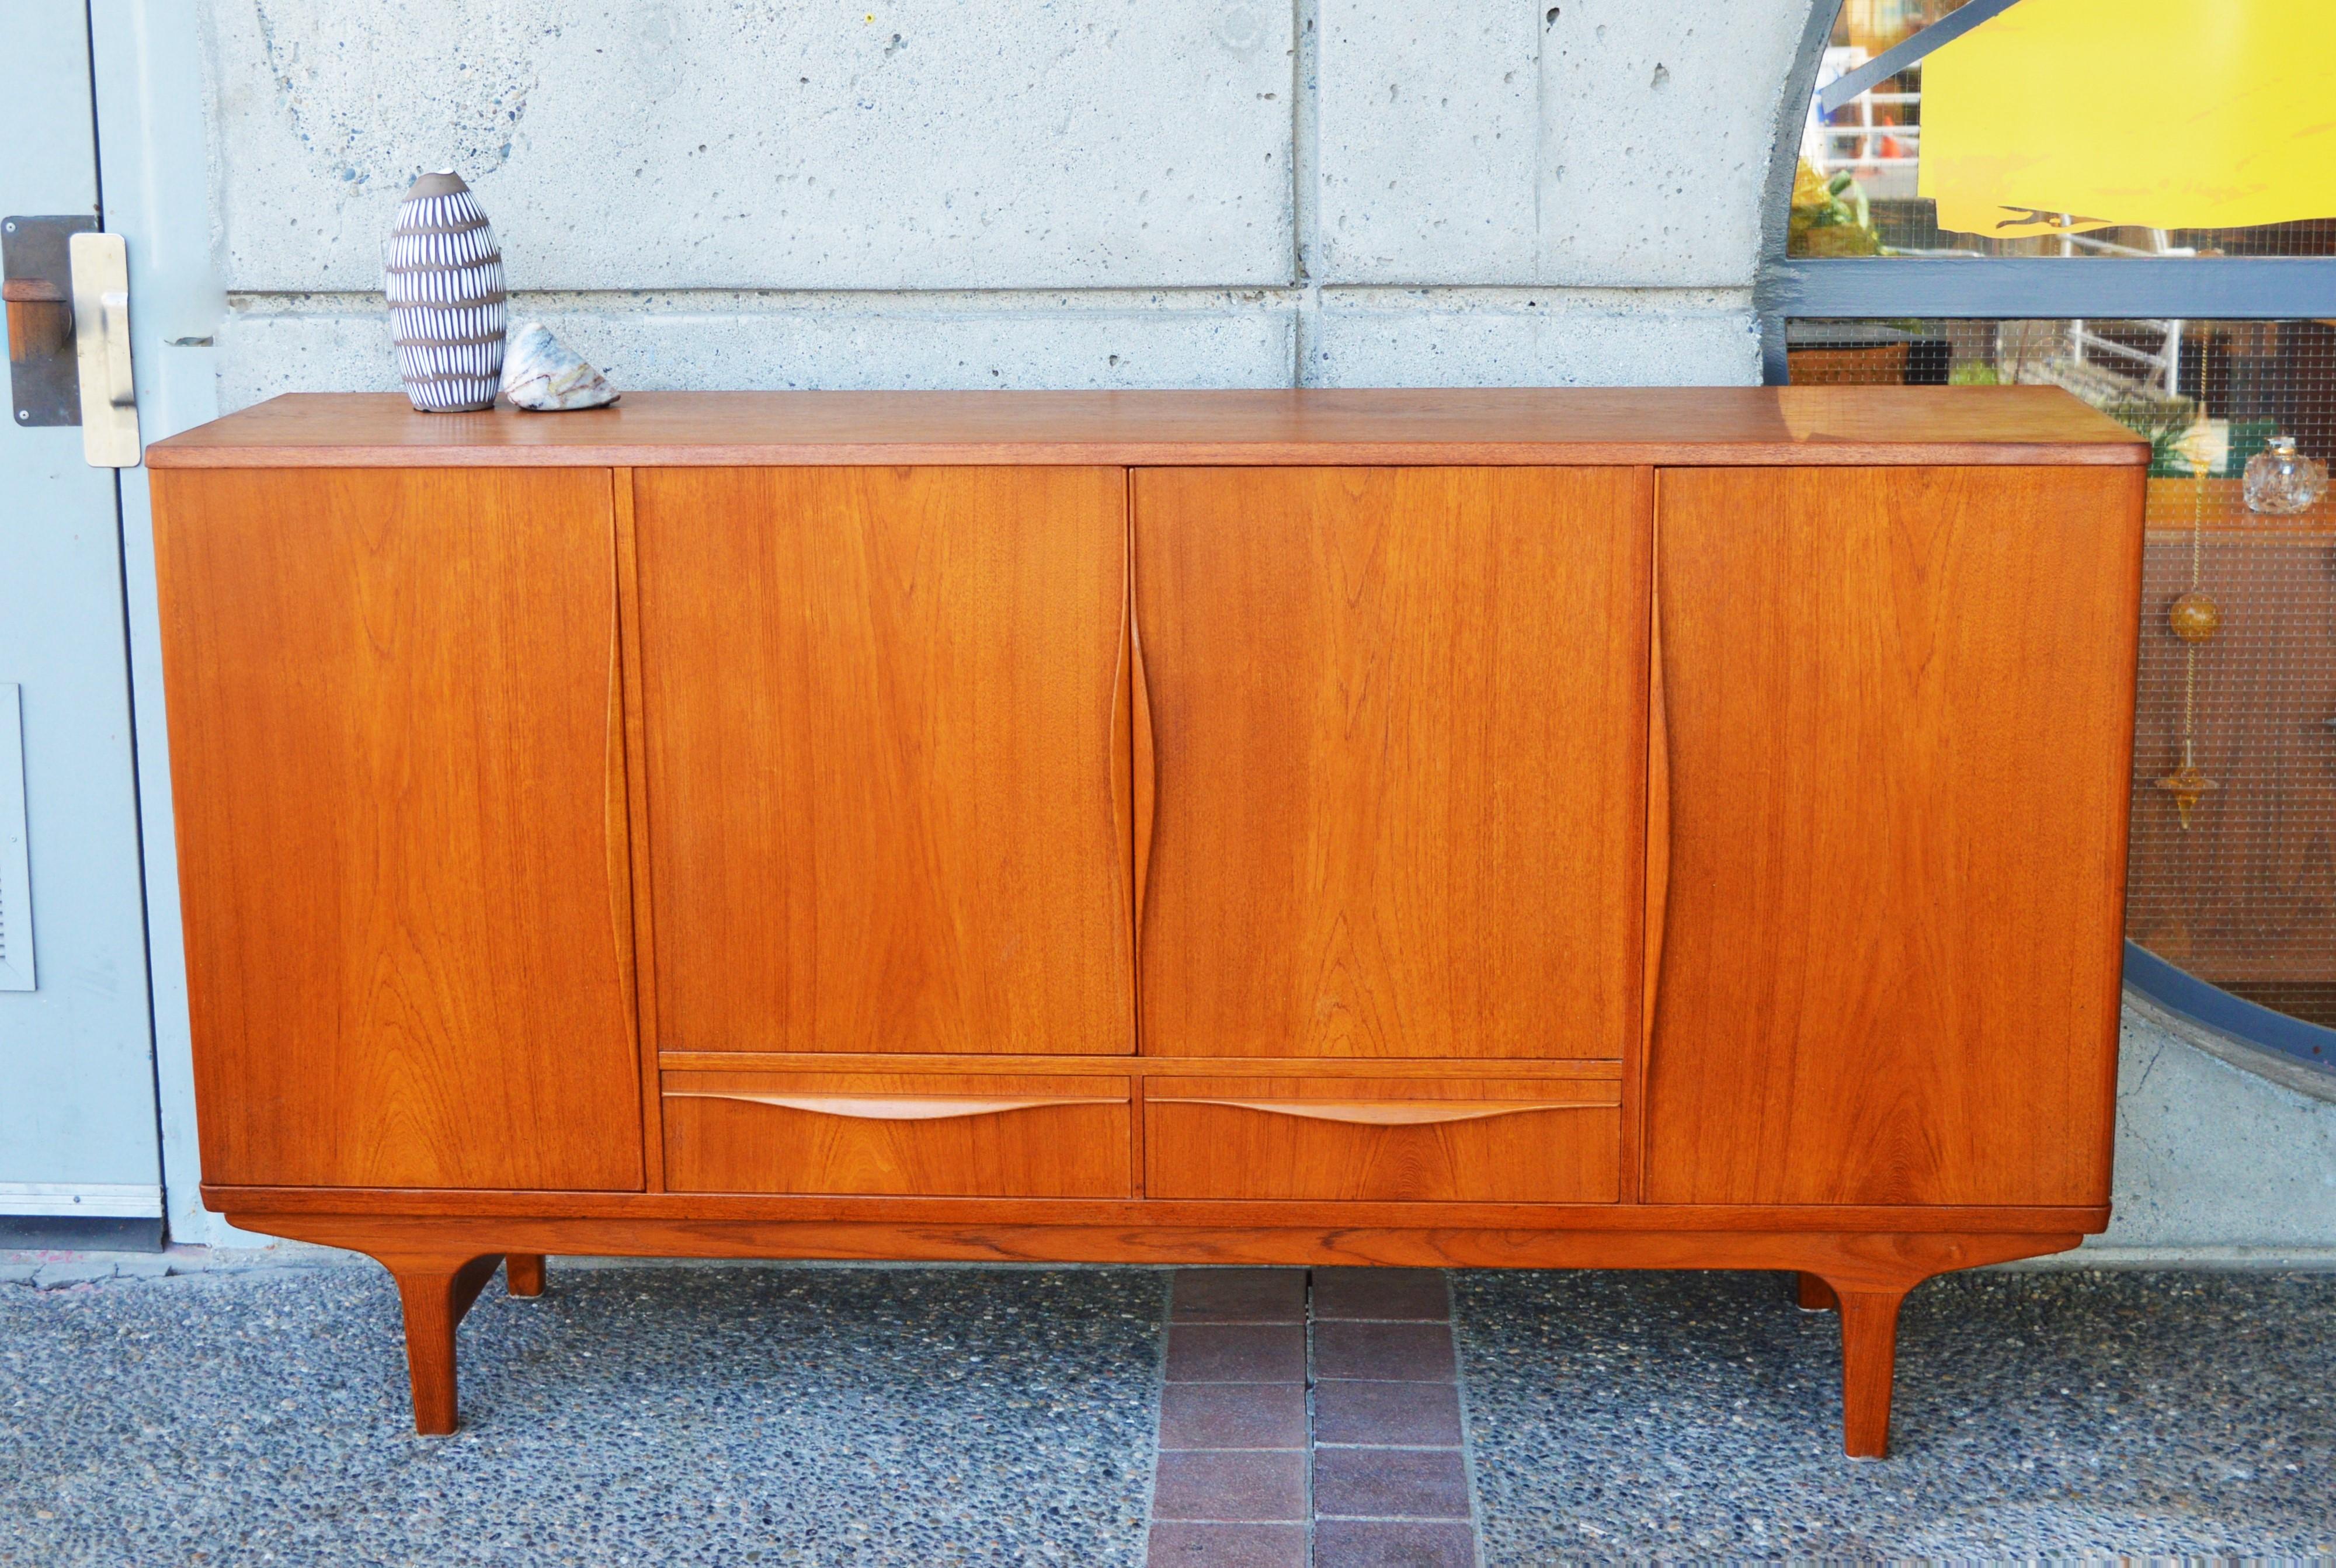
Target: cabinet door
x=1398, y=731
x=1896, y=706
x=398, y=767
x=886, y=740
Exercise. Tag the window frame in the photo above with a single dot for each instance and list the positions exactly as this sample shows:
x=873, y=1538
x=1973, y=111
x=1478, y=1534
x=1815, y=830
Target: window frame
x=1981, y=287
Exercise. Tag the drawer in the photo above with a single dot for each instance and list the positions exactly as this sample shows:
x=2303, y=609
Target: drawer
x=925, y=1135
x=1514, y=1140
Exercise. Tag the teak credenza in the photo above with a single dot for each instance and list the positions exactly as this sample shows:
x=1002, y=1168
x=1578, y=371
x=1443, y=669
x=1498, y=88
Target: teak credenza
x=1618, y=829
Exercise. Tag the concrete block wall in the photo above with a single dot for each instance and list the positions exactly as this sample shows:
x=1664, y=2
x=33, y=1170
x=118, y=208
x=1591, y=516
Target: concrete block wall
x=771, y=193
x=1102, y=193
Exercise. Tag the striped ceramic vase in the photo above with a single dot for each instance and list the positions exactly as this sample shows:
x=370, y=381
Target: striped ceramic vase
x=444, y=279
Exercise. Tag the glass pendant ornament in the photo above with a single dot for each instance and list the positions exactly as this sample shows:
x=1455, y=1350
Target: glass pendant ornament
x=2188, y=784
x=2194, y=618
x=2282, y=482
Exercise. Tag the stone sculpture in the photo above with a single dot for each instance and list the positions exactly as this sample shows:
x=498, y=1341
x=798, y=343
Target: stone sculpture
x=543, y=373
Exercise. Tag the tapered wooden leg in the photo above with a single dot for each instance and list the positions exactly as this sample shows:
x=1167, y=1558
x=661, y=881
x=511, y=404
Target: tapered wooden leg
x=524, y=1273
x=1815, y=1295
x=1869, y=1354
x=435, y=1291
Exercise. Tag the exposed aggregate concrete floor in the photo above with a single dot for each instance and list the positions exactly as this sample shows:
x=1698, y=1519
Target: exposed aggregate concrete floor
x=2044, y=1413
x=628, y=1416
x=780, y=1414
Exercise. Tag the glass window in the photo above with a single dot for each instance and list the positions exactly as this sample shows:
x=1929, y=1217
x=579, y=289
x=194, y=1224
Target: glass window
x=2096, y=129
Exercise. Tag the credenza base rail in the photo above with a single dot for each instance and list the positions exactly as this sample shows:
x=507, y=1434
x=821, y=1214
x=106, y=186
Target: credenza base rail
x=442, y=1261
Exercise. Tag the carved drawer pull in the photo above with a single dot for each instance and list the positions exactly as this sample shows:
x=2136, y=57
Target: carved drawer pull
x=896, y=1108
x=1388, y=1113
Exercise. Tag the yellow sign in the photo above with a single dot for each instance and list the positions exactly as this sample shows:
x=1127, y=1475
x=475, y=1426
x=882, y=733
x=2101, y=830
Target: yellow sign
x=2068, y=114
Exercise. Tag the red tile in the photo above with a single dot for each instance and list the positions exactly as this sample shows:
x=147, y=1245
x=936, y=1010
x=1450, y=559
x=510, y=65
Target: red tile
x=1390, y=1484
x=1415, y=1293
x=1237, y=1353
x=1412, y=1352
x=1227, y=1546
x=1391, y=1543
x=1235, y=1415
x=1238, y=1296
x=1237, y=1487
x=1411, y=1415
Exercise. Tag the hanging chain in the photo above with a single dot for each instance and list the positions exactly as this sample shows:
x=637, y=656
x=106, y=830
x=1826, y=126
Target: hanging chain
x=2190, y=649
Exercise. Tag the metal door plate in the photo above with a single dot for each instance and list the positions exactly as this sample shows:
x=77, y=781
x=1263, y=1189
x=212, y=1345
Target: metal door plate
x=43, y=377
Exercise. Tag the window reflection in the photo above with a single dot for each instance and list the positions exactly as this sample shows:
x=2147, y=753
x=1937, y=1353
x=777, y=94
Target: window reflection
x=2114, y=82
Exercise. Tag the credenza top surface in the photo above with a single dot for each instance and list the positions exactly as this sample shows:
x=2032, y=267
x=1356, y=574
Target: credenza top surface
x=1709, y=426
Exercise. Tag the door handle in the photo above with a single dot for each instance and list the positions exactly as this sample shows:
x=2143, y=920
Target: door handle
x=898, y=1107
x=113, y=328
x=1143, y=795
x=1658, y=890
x=1386, y=1113
x=1146, y=776
x=109, y=388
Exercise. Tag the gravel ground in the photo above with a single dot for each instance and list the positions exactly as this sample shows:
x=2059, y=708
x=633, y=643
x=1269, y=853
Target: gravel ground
x=630, y=1415
x=1617, y=1415
x=819, y=1415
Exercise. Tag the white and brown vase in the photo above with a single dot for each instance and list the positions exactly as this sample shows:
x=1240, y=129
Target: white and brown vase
x=444, y=279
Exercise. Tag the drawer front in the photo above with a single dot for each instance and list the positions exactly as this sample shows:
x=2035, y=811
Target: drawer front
x=926, y=1136
x=1554, y=1140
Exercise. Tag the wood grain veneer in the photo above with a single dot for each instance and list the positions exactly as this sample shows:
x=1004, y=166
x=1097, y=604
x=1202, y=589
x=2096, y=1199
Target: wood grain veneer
x=725, y=1208
x=928, y=1134
x=882, y=709
x=1511, y=1139
x=1397, y=715
x=397, y=767
x=1151, y=1065
x=1535, y=427
x=636, y=807
x=1898, y=710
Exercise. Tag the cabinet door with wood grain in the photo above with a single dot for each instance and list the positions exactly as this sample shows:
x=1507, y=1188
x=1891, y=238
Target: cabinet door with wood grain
x=1397, y=729
x=885, y=725
x=1894, y=715
x=397, y=755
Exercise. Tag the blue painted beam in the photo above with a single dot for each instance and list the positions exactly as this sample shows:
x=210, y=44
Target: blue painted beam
x=2178, y=991
x=2047, y=287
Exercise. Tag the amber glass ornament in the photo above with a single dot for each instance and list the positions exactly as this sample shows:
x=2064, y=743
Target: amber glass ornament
x=2188, y=784
x=2194, y=618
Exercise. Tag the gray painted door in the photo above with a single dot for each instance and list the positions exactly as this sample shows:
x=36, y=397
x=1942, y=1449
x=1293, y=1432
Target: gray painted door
x=77, y=1108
